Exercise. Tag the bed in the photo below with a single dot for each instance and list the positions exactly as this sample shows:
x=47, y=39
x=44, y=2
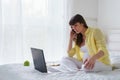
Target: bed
x=20, y=72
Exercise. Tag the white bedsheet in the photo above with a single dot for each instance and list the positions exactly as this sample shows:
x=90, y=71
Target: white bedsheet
x=20, y=72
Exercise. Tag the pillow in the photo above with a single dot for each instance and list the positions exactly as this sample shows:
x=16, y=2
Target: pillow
x=115, y=59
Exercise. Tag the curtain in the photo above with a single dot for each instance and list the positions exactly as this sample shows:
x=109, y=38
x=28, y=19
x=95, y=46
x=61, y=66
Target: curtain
x=40, y=24
x=11, y=32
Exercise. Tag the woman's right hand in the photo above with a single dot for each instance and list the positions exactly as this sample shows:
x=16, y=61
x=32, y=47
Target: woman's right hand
x=73, y=35
x=72, y=38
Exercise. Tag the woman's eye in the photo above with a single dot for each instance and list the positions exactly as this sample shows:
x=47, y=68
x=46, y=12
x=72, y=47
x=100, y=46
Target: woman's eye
x=75, y=25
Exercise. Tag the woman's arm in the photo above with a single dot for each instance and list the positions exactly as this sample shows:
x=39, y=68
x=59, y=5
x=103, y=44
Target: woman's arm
x=99, y=55
x=69, y=45
x=71, y=51
x=100, y=44
x=90, y=62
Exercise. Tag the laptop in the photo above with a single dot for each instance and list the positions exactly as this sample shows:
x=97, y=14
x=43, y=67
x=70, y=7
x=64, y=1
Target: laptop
x=39, y=60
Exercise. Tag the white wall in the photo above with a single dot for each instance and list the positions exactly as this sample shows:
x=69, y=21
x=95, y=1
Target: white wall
x=109, y=14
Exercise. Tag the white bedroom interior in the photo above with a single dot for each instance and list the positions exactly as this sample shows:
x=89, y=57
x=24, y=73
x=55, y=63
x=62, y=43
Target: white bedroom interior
x=44, y=24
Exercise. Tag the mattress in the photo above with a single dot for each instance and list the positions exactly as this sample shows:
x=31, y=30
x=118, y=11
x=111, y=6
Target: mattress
x=20, y=72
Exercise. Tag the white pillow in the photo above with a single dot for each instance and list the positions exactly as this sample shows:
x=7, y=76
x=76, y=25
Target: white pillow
x=115, y=59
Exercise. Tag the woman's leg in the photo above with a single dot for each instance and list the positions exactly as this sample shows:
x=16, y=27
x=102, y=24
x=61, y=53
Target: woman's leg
x=99, y=66
x=71, y=64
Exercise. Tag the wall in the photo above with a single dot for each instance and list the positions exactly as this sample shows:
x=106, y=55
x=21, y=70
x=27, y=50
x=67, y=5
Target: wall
x=109, y=14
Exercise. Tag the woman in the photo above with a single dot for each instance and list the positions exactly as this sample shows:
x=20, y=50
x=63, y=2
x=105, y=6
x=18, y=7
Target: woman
x=95, y=56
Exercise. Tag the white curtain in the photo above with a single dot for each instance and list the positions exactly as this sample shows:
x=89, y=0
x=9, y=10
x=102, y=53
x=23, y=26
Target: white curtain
x=11, y=32
x=33, y=23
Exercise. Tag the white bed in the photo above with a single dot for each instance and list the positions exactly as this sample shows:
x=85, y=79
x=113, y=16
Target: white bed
x=20, y=72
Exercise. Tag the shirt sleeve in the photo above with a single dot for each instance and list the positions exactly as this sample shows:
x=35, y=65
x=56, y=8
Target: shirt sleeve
x=100, y=42
x=72, y=52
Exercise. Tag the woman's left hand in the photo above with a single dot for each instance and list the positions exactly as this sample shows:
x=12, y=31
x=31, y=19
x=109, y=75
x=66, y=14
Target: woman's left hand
x=90, y=62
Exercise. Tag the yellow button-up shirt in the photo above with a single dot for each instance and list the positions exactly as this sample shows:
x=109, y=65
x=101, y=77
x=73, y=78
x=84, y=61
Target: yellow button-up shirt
x=95, y=42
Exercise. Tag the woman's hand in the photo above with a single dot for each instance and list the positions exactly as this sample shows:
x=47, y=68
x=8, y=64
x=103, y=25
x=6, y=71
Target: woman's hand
x=73, y=35
x=90, y=62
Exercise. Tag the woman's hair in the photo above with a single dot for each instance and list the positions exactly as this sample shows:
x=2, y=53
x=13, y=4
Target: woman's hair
x=78, y=18
x=79, y=39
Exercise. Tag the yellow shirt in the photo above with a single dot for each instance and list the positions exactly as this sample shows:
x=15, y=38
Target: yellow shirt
x=95, y=42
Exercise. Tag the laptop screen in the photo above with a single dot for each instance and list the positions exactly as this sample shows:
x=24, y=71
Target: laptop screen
x=39, y=60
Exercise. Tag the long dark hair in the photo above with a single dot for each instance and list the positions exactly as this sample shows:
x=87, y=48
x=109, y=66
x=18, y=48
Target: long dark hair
x=78, y=18
x=79, y=39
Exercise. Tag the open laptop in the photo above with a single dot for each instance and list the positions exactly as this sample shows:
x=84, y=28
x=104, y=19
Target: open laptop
x=39, y=60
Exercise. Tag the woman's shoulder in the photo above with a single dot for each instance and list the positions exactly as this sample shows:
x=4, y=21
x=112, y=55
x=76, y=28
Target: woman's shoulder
x=97, y=32
x=94, y=29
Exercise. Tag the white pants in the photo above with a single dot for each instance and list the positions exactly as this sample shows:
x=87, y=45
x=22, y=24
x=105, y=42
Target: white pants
x=72, y=64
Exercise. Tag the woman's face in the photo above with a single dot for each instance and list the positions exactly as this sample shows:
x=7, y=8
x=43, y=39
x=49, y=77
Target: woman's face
x=77, y=27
